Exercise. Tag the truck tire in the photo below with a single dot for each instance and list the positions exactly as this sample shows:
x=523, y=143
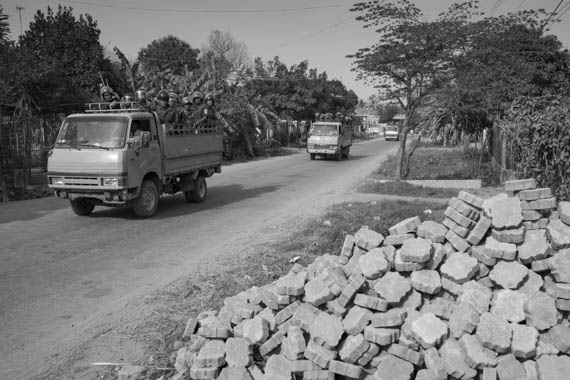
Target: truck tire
x=338, y=155
x=200, y=191
x=346, y=152
x=82, y=207
x=312, y=156
x=146, y=204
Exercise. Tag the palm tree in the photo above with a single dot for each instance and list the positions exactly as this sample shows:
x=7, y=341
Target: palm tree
x=4, y=27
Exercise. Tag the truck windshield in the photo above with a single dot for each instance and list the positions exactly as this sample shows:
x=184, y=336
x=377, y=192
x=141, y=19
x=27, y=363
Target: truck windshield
x=391, y=128
x=93, y=132
x=324, y=129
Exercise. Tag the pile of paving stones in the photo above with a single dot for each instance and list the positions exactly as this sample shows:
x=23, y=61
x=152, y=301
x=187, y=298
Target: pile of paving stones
x=485, y=294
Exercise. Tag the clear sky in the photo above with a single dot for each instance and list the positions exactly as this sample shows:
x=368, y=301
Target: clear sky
x=322, y=31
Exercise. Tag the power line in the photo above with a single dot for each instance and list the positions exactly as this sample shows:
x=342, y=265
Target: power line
x=305, y=36
x=552, y=14
x=258, y=10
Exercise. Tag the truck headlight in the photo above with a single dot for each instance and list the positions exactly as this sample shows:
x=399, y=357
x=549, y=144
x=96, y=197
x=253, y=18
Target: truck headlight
x=113, y=182
x=58, y=181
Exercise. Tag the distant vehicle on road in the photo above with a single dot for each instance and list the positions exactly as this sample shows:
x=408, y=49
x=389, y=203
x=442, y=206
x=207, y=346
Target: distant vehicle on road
x=329, y=139
x=392, y=132
x=128, y=157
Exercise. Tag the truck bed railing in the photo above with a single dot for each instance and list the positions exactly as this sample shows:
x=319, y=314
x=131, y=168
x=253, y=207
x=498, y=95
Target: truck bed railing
x=188, y=129
x=115, y=107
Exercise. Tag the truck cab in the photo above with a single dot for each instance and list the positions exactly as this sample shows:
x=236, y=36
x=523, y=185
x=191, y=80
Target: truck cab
x=126, y=157
x=329, y=139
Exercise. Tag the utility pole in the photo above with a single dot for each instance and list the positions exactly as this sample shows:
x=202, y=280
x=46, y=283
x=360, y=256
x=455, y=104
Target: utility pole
x=20, y=8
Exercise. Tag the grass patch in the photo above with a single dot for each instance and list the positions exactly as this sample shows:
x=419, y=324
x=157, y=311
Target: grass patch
x=261, y=265
x=405, y=189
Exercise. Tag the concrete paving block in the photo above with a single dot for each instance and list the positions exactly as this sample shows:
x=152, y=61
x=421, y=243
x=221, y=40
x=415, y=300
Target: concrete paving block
x=405, y=266
x=353, y=348
x=452, y=357
x=505, y=213
x=525, y=340
x=300, y=366
x=558, y=234
x=345, y=369
x=392, y=367
x=374, y=264
x=234, y=373
x=321, y=374
x=450, y=286
x=460, y=244
x=564, y=212
x=552, y=367
x=508, y=274
x=480, y=230
x=405, y=226
x=471, y=199
x=453, y=226
x=508, y=304
x=414, y=357
x=190, y=328
x=483, y=271
x=291, y=284
x=500, y=250
x=368, y=239
x=436, y=258
x=317, y=291
x=327, y=328
x=520, y=184
x=435, y=364
x=440, y=307
x=559, y=266
x=426, y=281
x=474, y=354
x=355, y=283
x=459, y=267
x=278, y=367
x=531, y=215
x=480, y=253
x=238, y=352
x=540, y=224
x=534, y=194
x=212, y=354
x=381, y=336
x=433, y=231
x=397, y=240
x=319, y=354
x=510, y=235
x=392, y=287
x=509, y=368
x=346, y=250
x=205, y=373
x=540, y=204
x=464, y=208
x=304, y=316
x=413, y=301
x=489, y=373
x=429, y=330
x=356, y=319
x=463, y=320
x=540, y=311
x=560, y=336
x=287, y=312
x=534, y=247
x=256, y=330
x=417, y=250
x=532, y=284
x=494, y=332
x=370, y=302
x=391, y=318
x=458, y=218
x=424, y=374
x=366, y=358
x=561, y=291
x=335, y=308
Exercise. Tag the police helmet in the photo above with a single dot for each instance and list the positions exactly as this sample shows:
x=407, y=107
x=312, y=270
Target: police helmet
x=198, y=95
x=163, y=95
x=209, y=97
x=186, y=100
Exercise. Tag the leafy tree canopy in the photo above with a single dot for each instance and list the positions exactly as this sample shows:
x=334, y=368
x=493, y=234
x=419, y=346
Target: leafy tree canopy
x=169, y=52
x=72, y=42
x=4, y=27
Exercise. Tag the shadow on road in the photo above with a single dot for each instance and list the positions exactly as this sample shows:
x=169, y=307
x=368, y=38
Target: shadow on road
x=176, y=205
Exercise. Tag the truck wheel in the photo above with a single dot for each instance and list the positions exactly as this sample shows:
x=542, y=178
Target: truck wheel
x=82, y=207
x=200, y=191
x=346, y=152
x=146, y=204
x=312, y=156
x=338, y=155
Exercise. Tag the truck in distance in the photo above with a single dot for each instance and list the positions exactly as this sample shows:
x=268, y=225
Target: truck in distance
x=329, y=139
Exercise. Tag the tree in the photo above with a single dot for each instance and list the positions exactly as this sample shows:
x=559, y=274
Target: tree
x=72, y=42
x=4, y=27
x=413, y=58
x=168, y=52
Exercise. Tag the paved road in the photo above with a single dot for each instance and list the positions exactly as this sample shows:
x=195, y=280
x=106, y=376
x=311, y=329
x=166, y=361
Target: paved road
x=63, y=275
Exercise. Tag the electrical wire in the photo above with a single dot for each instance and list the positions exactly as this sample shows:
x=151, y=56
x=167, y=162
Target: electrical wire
x=259, y=10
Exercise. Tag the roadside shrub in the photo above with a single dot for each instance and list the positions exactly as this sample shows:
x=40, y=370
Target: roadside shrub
x=537, y=132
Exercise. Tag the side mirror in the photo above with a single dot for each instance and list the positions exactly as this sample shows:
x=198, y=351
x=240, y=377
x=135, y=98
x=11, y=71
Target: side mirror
x=145, y=140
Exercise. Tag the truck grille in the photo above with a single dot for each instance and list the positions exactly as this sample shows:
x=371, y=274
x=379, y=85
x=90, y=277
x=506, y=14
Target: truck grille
x=81, y=181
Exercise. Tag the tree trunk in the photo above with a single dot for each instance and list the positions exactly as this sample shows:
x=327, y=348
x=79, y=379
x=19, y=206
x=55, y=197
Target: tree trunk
x=403, y=161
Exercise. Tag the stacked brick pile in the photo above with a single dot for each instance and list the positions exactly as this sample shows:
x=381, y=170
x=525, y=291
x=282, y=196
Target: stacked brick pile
x=484, y=295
